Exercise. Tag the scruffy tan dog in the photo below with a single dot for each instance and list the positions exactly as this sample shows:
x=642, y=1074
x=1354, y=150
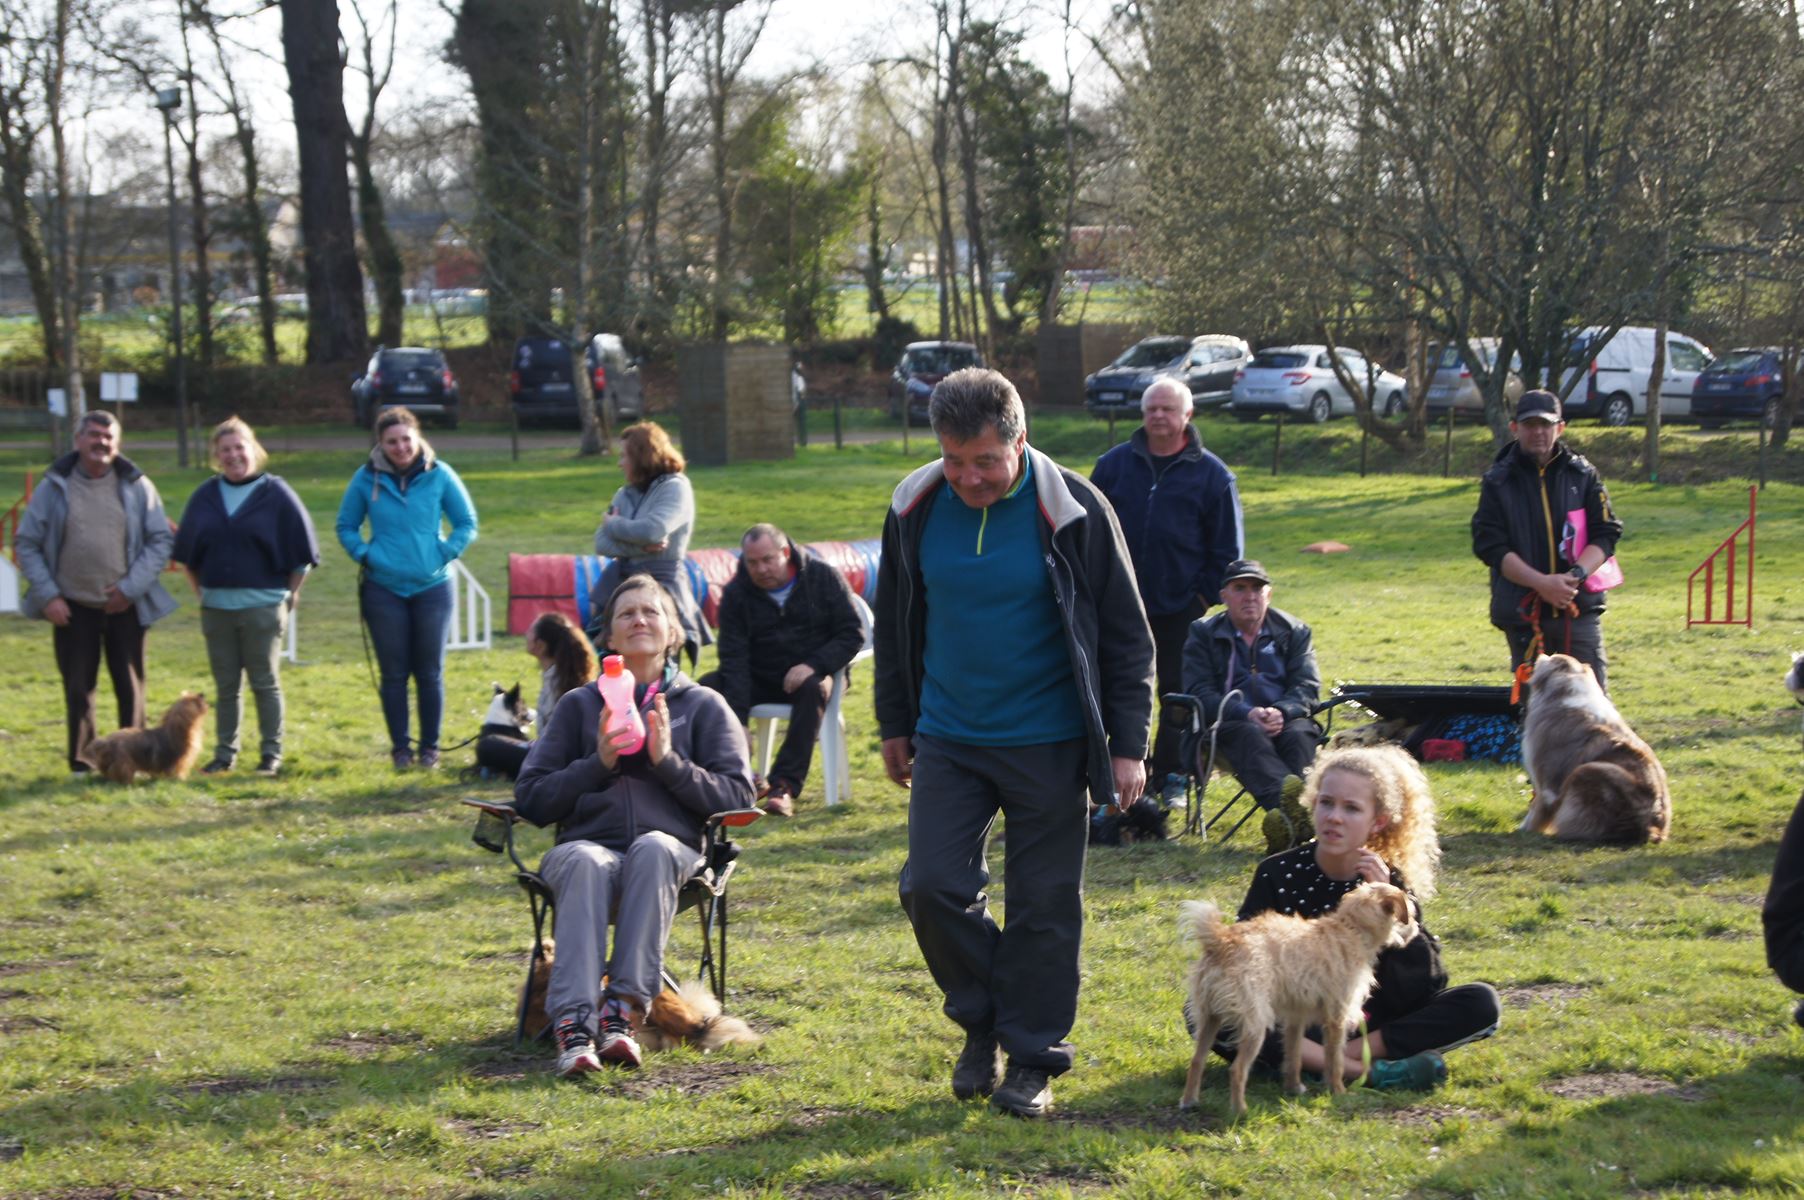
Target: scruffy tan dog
x=689, y=1014
x=1281, y=969
x=166, y=750
x=1595, y=780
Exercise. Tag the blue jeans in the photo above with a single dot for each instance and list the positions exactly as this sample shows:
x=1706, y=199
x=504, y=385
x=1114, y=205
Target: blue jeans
x=409, y=633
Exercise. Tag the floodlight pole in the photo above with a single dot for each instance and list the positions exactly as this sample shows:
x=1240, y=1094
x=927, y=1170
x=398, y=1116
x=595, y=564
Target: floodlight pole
x=169, y=100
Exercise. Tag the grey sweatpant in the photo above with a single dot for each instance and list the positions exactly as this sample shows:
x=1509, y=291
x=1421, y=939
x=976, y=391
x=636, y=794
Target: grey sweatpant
x=245, y=642
x=1018, y=981
x=637, y=891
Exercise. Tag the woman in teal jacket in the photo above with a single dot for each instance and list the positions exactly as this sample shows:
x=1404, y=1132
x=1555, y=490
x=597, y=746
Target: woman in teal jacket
x=406, y=494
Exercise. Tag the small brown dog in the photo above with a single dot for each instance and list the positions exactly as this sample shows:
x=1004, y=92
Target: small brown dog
x=1594, y=779
x=1280, y=969
x=167, y=750
x=689, y=1014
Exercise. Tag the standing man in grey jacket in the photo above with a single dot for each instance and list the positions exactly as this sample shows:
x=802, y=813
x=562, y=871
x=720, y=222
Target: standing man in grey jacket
x=1014, y=674
x=93, y=543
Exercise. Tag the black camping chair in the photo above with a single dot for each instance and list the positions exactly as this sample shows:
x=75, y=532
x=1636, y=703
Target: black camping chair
x=1199, y=748
x=706, y=892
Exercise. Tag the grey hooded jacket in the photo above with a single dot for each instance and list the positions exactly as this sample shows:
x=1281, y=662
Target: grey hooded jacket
x=148, y=539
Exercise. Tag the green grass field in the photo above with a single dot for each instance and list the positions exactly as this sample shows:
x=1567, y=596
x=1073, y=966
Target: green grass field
x=235, y=987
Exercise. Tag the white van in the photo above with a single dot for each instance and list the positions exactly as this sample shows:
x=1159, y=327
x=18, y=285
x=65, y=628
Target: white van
x=1617, y=372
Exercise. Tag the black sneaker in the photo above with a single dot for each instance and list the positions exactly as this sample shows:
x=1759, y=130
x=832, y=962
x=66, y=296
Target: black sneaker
x=428, y=758
x=218, y=766
x=979, y=1066
x=1025, y=1092
x=269, y=764
x=575, y=1049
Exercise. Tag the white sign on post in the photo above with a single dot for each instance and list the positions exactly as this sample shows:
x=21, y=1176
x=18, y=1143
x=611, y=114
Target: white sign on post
x=119, y=387
x=59, y=402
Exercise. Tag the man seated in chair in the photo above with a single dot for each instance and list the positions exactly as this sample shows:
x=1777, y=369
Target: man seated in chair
x=788, y=627
x=1267, y=734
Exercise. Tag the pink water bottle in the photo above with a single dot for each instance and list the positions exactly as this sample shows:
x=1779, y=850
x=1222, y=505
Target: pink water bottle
x=616, y=688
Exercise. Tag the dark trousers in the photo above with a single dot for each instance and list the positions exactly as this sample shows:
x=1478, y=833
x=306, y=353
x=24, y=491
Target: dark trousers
x=1582, y=638
x=1447, y=1020
x=409, y=634
x=90, y=635
x=1169, y=633
x=1019, y=980
x=1261, y=761
x=807, y=706
x=1782, y=916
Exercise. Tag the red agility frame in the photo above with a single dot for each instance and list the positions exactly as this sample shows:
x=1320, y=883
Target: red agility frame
x=1727, y=551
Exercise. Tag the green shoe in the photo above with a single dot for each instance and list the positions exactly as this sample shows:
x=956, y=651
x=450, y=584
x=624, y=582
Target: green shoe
x=1418, y=1073
x=1302, y=828
x=1277, y=833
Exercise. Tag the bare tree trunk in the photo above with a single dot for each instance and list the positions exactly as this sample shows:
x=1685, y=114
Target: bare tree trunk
x=256, y=227
x=16, y=167
x=385, y=257
x=659, y=33
x=67, y=276
x=876, y=256
x=714, y=57
x=594, y=31
x=337, y=330
x=984, y=292
x=199, y=217
x=1650, y=452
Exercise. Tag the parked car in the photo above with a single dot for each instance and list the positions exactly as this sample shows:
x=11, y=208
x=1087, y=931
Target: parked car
x=922, y=365
x=1451, y=385
x=1745, y=383
x=1207, y=364
x=1299, y=381
x=1617, y=372
x=542, y=382
x=409, y=377
x=614, y=375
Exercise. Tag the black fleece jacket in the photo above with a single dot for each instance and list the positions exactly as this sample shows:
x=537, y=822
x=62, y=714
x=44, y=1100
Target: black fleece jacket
x=819, y=625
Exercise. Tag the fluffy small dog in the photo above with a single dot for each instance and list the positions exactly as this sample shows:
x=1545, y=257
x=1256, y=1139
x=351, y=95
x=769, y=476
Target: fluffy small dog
x=1286, y=970
x=689, y=1014
x=1595, y=780
x=167, y=750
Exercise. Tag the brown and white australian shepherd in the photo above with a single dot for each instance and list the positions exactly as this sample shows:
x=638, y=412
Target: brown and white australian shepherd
x=1595, y=780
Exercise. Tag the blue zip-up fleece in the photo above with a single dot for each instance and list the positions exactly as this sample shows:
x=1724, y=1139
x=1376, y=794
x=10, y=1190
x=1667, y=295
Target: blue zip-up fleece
x=1106, y=635
x=1183, y=525
x=406, y=552
x=984, y=571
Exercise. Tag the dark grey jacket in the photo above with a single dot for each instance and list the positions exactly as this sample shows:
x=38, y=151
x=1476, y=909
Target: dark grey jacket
x=1210, y=644
x=706, y=772
x=1093, y=583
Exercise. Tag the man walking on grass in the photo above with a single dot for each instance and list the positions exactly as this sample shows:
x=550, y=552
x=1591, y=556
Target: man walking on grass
x=1014, y=673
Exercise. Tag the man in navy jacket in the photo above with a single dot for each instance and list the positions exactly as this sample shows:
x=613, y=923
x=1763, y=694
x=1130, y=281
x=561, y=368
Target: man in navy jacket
x=1180, y=513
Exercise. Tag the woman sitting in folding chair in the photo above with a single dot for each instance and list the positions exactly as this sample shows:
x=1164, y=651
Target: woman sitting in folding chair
x=630, y=827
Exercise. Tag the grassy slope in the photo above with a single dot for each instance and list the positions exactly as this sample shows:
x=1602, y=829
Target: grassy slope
x=236, y=987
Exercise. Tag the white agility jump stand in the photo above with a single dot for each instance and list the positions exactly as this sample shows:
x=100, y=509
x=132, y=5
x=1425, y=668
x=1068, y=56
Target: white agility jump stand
x=9, y=586
x=470, y=611
x=471, y=615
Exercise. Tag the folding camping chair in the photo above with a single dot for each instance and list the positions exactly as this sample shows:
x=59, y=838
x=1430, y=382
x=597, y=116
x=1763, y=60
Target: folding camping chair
x=1199, y=747
x=706, y=892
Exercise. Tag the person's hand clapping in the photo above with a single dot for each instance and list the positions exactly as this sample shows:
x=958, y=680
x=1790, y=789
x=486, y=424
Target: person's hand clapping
x=657, y=731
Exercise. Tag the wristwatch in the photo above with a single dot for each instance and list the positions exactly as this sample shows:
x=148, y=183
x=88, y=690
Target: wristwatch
x=1577, y=573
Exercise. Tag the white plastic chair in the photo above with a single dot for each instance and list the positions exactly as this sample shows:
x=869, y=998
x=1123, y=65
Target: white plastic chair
x=836, y=762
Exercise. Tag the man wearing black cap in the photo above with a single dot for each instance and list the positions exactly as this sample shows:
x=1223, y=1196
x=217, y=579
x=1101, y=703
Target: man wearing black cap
x=1525, y=528
x=1267, y=734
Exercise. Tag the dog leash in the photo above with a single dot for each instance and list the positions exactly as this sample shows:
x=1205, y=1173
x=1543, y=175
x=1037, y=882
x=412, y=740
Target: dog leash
x=1530, y=608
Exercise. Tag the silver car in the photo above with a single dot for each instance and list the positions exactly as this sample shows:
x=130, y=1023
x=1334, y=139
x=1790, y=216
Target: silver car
x=1450, y=384
x=1300, y=382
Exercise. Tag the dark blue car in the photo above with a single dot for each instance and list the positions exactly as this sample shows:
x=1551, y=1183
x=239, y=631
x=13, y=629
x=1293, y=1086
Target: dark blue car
x=1743, y=384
